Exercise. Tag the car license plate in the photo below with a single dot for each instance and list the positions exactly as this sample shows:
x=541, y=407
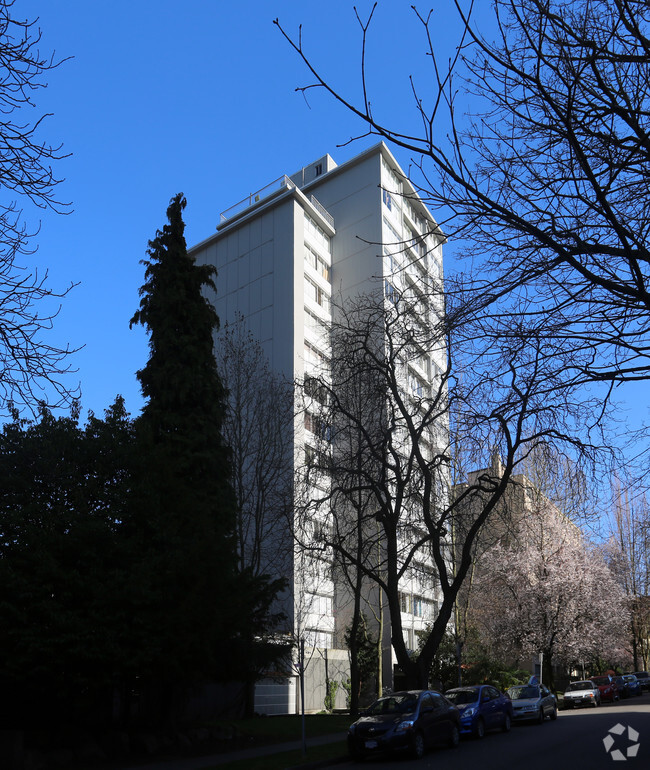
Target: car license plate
x=371, y=744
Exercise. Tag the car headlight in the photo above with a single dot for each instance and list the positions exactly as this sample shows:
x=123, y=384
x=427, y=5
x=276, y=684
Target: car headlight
x=404, y=726
x=469, y=712
x=352, y=729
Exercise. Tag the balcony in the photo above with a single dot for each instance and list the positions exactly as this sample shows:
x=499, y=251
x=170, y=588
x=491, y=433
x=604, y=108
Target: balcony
x=271, y=189
x=282, y=183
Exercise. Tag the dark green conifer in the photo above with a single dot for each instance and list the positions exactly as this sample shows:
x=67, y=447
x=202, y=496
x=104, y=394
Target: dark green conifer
x=184, y=513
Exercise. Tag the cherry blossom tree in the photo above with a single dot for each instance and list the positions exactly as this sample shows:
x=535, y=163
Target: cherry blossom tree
x=547, y=591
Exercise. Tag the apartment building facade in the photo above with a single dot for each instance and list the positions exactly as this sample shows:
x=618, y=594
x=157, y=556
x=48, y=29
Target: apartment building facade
x=287, y=256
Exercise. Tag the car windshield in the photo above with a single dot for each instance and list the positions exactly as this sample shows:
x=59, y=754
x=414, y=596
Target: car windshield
x=462, y=697
x=394, y=704
x=523, y=691
x=629, y=678
x=579, y=686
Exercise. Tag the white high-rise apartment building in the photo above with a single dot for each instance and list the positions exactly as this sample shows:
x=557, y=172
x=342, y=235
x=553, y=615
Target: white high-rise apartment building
x=281, y=255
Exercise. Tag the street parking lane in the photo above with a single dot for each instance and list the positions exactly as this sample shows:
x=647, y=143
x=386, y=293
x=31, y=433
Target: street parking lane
x=574, y=740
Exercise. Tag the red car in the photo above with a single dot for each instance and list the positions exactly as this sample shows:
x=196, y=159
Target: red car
x=607, y=687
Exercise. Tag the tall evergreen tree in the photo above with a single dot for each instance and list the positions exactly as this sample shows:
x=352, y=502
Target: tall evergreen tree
x=184, y=511
x=187, y=587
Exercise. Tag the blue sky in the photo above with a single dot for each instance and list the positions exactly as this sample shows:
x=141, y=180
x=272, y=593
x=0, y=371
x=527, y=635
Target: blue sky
x=197, y=97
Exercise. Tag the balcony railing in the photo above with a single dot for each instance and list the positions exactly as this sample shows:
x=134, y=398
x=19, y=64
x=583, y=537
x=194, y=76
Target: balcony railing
x=322, y=210
x=282, y=183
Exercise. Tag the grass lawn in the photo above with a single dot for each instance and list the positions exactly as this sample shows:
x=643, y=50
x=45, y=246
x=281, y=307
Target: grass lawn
x=280, y=729
x=286, y=759
x=267, y=731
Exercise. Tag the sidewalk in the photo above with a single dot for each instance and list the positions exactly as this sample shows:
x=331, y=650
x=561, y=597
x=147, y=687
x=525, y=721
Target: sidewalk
x=198, y=763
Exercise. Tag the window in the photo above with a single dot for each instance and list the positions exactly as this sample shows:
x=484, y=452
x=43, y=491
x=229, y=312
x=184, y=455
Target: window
x=418, y=248
x=421, y=360
x=317, y=460
x=314, y=356
x=314, y=424
x=317, y=234
x=316, y=638
x=417, y=387
x=316, y=390
x=396, y=238
x=417, y=220
x=318, y=168
x=318, y=604
x=317, y=325
x=391, y=292
x=405, y=602
x=417, y=606
x=317, y=262
x=391, y=178
x=388, y=201
x=317, y=294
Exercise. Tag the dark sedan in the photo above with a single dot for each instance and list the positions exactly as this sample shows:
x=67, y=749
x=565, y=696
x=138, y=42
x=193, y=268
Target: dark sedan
x=412, y=720
x=643, y=678
x=482, y=708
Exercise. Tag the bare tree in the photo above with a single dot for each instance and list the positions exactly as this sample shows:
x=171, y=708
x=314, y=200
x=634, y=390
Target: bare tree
x=629, y=558
x=343, y=512
x=547, y=183
x=258, y=429
x=30, y=367
x=389, y=467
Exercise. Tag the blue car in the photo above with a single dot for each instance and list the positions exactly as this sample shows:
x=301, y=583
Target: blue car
x=631, y=684
x=482, y=707
x=411, y=720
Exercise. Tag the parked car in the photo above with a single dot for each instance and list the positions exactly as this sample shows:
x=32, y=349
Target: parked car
x=582, y=693
x=644, y=679
x=482, y=708
x=631, y=685
x=620, y=687
x=607, y=687
x=410, y=720
x=532, y=702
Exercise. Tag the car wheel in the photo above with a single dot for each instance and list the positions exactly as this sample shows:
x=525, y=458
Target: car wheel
x=507, y=723
x=454, y=736
x=540, y=716
x=479, y=730
x=554, y=713
x=417, y=746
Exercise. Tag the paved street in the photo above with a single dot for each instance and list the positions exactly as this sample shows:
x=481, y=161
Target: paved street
x=574, y=741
